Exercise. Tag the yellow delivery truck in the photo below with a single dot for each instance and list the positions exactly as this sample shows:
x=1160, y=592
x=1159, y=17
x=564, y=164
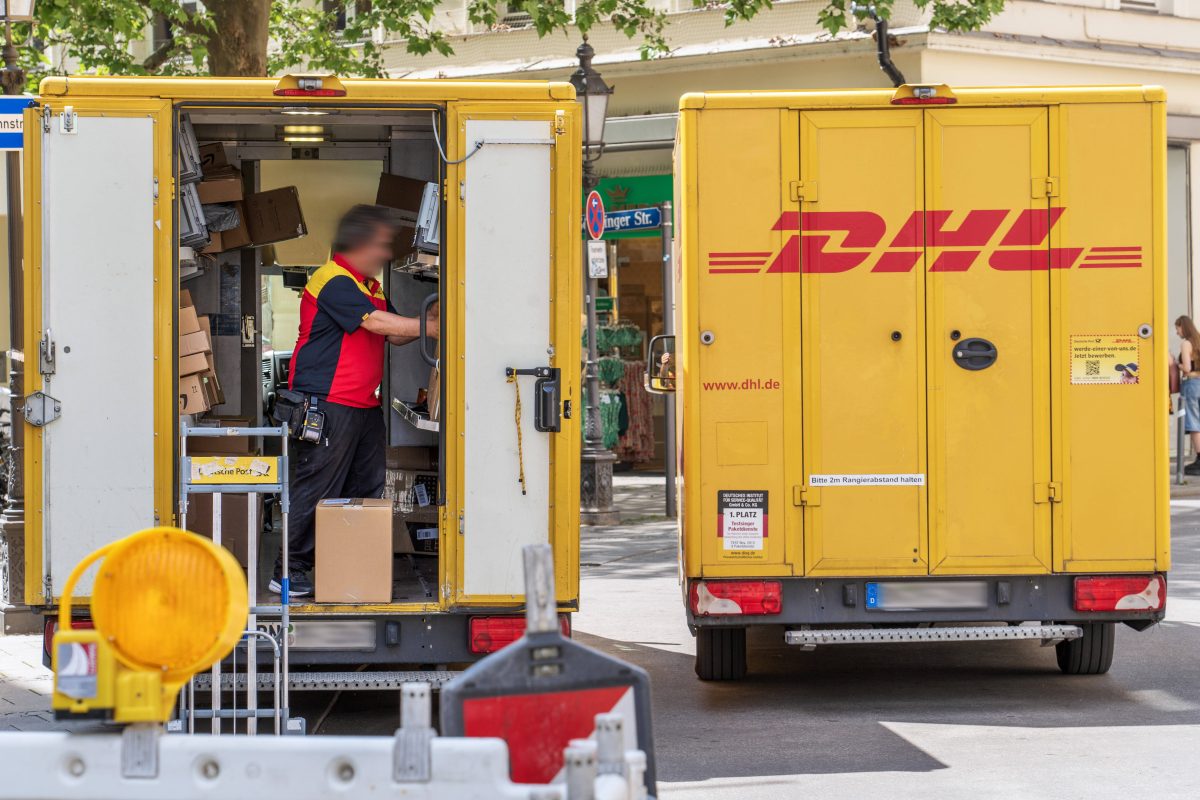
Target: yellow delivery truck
x=921, y=367
x=167, y=223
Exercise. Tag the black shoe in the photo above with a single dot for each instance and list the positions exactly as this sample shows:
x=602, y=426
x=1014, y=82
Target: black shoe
x=298, y=584
x=1192, y=468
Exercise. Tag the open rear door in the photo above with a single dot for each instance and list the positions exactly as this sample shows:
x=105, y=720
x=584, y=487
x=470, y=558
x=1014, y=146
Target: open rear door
x=510, y=301
x=99, y=377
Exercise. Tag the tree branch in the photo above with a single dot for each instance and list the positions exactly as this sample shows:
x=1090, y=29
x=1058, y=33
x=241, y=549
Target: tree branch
x=161, y=55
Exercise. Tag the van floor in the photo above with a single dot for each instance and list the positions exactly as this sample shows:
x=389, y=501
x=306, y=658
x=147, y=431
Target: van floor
x=414, y=576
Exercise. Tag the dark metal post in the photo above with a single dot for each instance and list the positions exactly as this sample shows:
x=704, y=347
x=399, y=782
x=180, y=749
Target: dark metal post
x=596, y=466
x=668, y=289
x=17, y=618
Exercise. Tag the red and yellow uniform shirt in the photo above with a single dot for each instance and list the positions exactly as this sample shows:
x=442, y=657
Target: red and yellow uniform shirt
x=335, y=358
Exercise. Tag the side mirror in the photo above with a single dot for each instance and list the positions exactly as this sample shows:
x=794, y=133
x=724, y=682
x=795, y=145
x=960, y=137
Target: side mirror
x=661, y=365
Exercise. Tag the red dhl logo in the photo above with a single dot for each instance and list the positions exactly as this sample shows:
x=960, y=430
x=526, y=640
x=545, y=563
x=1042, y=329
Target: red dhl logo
x=860, y=234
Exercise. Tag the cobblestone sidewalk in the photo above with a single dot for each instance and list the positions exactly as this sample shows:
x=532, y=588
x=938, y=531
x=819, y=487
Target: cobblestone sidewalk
x=25, y=686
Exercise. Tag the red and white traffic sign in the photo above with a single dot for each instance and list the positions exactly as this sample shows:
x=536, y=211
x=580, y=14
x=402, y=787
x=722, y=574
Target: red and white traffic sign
x=593, y=215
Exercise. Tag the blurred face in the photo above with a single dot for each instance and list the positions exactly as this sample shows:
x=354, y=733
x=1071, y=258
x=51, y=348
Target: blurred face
x=373, y=256
x=1179, y=330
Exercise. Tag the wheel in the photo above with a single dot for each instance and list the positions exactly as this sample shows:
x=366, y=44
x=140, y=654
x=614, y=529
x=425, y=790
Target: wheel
x=1090, y=654
x=721, y=654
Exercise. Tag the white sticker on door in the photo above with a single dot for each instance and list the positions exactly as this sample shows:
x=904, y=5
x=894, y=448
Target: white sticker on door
x=879, y=479
x=742, y=523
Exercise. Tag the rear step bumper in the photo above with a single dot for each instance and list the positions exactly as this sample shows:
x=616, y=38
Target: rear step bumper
x=332, y=681
x=808, y=640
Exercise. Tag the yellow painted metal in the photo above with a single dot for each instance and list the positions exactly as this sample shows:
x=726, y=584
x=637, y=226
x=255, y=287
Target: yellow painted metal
x=166, y=408
x=1025, y=471
x=506, y=99
x=741, y=442
x=565, y=296
x=863, y=334
x=989, y=429
x=1111, y=440
x=76, y=87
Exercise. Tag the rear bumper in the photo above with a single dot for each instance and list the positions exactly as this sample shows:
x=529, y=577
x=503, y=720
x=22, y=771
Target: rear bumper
x=842, y=601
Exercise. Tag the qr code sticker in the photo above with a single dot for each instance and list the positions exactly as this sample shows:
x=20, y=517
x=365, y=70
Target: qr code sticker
x=1091, y=368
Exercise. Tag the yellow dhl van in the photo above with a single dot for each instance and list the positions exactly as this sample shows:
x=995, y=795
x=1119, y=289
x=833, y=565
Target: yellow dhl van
x=107, y=291
x=921, y=354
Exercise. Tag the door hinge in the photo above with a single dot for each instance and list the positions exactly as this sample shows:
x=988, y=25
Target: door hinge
x=1047, y=492
x=803, y=191
x=41, y=409
x=560, y=122
x=1045, y=187
x=806, y=496
x=462, y=524
x=46, y=119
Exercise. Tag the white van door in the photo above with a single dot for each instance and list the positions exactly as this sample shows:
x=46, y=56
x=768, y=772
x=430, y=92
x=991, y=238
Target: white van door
x=501, y=211
x=98, y=346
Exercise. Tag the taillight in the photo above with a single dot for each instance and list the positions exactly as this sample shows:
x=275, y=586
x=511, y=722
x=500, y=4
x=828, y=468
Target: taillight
x=489, y=634
x=723, y=598
x=309, y=86
x=1121, y=593
x=51, y=628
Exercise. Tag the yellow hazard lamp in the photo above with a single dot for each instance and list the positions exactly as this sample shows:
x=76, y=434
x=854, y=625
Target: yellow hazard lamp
x=166, y=604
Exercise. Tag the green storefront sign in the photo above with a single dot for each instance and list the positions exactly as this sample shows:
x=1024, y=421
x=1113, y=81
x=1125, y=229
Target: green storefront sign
x=637, y=191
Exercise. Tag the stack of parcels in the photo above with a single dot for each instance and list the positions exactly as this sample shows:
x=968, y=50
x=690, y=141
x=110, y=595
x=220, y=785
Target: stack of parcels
x=216, y=214
x=199, y=389
x=235, y=219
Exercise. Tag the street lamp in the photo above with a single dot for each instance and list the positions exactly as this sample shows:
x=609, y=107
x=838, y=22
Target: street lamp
x=14, y=616
x=596, y=469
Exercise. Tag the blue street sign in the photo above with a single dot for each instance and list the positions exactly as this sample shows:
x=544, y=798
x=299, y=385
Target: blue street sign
x=632, y=219
x=11, y=121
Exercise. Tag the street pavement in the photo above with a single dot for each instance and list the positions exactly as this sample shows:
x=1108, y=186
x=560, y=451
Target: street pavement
x=978, y=720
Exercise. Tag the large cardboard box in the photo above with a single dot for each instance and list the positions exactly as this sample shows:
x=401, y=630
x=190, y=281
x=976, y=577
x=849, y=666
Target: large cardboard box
x=354, y=551
x=213, y=158
x=188, y=321
x=195, y=362
x=234, y=533
x=225, y=445
x=223, y=188
x=274, y=216
x=195, y=342
x=193, y=398
x=404, y=195
x=232, y=239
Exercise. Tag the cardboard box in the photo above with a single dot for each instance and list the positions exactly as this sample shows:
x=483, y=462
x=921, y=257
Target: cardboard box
x=400, y=193
x=185, y=299
x=213, y=157
x=195, y=362
x=354, y=551
x=234, y=533
x=192, y=396
x=224, y=189
x=274, y=216
x=188, y=323
x=226, y=445
x=196, y=342
x=212, y=388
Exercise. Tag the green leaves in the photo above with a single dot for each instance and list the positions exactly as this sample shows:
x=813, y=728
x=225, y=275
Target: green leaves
x=162, y=37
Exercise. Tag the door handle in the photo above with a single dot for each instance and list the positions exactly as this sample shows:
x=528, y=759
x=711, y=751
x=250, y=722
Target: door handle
x=431, y=360
x=974, y=354
x=547, y=390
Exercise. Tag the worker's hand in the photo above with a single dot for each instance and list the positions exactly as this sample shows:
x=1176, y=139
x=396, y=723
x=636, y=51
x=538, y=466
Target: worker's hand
x=433, y=321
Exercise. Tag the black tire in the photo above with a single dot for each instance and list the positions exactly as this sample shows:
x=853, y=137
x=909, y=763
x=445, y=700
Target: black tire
x=721, y=654
x=1090, y=654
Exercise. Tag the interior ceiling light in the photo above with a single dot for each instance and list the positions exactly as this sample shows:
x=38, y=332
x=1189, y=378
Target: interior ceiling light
x=303, y=111
x=309, y=139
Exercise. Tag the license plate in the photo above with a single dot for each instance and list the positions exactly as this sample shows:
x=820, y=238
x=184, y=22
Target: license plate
x=926, y=595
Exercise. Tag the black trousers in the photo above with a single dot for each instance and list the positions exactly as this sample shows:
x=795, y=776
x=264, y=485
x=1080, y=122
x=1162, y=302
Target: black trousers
x=349, y=461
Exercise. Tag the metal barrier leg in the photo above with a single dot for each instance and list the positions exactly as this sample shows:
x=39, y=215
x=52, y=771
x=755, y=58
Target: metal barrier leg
x=1180, y=440
x=216, y=668
x=252, y=621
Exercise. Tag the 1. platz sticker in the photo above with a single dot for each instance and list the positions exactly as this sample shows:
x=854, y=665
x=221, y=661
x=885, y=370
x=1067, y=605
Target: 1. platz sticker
x=742, y=522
